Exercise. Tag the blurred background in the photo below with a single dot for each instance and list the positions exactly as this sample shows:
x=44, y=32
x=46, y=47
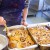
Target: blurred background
x=39, y=11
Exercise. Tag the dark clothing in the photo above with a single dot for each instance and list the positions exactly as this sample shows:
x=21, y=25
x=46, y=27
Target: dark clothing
x=11, y=10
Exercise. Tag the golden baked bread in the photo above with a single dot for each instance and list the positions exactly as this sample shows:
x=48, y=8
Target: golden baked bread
x=12, y=44
x=19, y=38
x=41, y=34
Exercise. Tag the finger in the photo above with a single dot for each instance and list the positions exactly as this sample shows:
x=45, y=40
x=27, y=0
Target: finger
x=25, y=24
x=1, y=18
x=4, y=22
x=22, y=23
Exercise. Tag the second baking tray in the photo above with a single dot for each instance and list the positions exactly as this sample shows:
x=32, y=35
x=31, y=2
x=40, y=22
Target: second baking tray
x=42, y=46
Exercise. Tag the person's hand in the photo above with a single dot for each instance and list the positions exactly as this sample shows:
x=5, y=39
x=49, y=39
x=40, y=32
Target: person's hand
x=2, y=21
x=23, y=22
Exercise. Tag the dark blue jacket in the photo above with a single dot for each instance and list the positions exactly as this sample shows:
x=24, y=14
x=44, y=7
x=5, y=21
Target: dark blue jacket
x=11, y=11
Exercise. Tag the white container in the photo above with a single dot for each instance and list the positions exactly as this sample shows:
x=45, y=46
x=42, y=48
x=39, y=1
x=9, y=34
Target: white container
x=3, y=41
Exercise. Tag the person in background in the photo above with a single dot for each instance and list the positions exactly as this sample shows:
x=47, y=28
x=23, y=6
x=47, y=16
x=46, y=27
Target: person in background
x=13, y=12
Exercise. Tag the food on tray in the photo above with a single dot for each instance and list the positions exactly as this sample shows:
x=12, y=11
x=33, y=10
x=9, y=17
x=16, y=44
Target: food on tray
x=41, y=34
x=19, y=38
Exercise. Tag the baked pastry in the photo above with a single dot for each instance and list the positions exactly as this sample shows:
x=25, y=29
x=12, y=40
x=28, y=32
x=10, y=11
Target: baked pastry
x=41, y=34
x=19, y=38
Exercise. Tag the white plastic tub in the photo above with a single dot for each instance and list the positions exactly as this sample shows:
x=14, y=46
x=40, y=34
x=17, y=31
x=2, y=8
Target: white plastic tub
x=3, y=42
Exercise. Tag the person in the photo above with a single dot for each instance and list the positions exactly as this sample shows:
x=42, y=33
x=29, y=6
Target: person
x=13, y=12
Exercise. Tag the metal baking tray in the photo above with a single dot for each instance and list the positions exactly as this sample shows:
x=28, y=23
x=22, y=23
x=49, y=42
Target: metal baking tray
x=40, y=24
x=26, y=48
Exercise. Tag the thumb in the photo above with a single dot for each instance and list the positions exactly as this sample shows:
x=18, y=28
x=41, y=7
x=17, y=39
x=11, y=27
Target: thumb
x=4, y=22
